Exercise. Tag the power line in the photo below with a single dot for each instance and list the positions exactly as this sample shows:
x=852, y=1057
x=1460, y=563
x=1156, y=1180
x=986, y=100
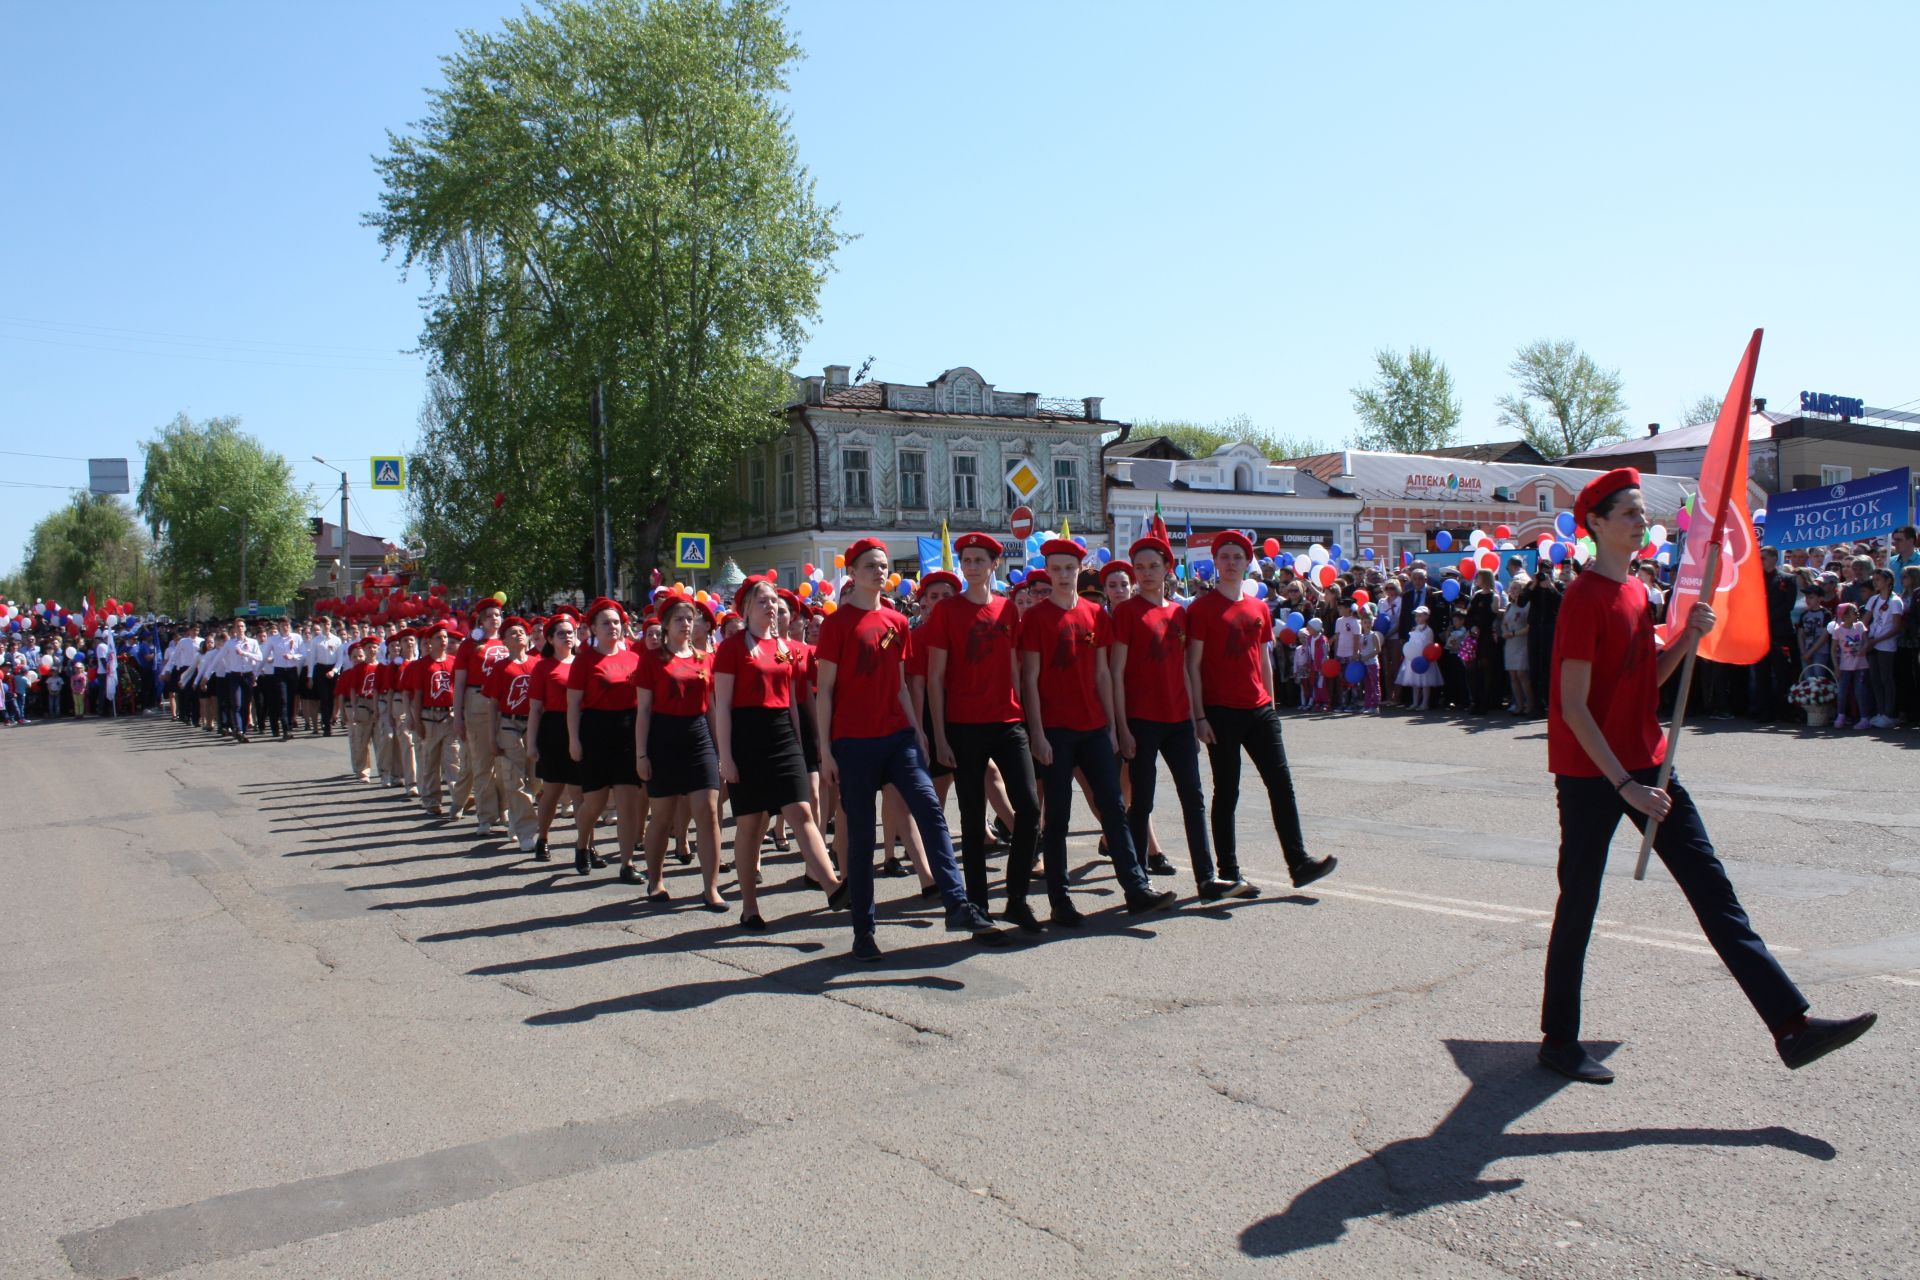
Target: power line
x=156, y=335
x=50, y=457
x=189, y=355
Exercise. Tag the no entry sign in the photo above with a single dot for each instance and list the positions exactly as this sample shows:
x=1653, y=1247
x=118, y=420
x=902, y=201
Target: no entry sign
x=1022, y=523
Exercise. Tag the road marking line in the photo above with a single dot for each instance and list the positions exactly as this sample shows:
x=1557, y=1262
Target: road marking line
x=1458, y=902
x=1414, y=906
x=1894, y=977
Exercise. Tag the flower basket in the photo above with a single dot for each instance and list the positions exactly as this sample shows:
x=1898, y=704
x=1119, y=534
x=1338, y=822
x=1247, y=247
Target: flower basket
x=1815, y=692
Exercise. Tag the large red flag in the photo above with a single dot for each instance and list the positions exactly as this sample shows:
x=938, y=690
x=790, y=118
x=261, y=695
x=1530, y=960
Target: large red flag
x=1721, y=515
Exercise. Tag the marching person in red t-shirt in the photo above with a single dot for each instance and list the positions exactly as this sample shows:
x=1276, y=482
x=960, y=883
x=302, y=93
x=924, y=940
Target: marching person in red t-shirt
x=429, y=685
x=1153, y=710
x=547, y=726
x=510, y=687
x=673, y=745
x=405, y=648
x=475, y=722
x=870, y=736
x=359, y=688
x=602, y=693
x=1067, y=692
x=973, y=672
x=1229, y=662
x=1604, y=748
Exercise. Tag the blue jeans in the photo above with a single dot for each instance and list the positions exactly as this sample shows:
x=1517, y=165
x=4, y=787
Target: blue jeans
x=1856, y=695
x=1590, y=809
x=1091, y=752
x=866, y=765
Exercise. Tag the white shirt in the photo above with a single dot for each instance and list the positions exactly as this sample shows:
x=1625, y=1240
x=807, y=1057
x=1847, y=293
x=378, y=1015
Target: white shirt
x=280, y=650
x=208, y=664
x=103, y=657
x=323, y=653
x=239, y=657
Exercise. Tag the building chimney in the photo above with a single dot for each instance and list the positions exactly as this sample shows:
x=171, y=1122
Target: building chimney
x=1092, y=406
x=1653, y=429
x=1759, y=404
x=838, y=374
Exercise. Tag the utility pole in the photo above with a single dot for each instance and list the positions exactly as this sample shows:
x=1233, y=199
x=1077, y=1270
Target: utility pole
x=346, y=547
x=602, y=519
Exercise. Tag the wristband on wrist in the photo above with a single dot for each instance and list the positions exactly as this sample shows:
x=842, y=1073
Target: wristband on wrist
x=1622, y=784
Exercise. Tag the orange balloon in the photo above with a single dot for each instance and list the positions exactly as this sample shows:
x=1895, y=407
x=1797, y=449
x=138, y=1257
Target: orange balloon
x=806, y=590
x=839, y=562
x=829, y=606
x=893, y=582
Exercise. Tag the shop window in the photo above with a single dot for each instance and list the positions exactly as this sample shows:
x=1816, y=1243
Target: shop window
x=1835, y=475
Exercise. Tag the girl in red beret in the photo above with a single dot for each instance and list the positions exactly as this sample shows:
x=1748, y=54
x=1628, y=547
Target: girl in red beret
x=602, y=692
x=547, y=728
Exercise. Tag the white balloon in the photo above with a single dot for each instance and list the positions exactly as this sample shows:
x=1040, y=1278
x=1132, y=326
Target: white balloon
x=1658, y=535
x=1317, y=554
x=1473, y=539
x=1301, y=565
x=1580, y=553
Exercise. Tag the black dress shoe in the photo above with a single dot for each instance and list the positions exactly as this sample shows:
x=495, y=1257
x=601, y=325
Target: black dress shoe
x=1020, y=914
x=1066, y=917
x=753, y=922
x=1572, y=1060
x=580, y=857
x=838, y=899
x=865, y=948
x=540, y=853
x=683, y=856
x=1158, y=865
x=628, y=874
x=1307, y=872
x=661, y=895
x=967, y=918
x=595, y=859
x=1823, y=1036
x=893, y=867
x=716, y=906
x=1139, y=904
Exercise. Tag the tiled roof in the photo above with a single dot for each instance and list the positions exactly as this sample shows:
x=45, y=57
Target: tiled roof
x=1497, y=451
x=1759, y=427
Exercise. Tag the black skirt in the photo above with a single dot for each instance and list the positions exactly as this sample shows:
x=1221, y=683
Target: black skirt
x=809, y=737
x=773, y=770
x=555, y=764
x=606, y=747
x=680, y=749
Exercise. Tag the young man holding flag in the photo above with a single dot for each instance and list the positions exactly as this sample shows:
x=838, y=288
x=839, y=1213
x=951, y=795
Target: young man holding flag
x=1604, y=747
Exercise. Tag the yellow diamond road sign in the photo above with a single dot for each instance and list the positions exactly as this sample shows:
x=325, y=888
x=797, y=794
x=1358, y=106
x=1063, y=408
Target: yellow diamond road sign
x=1025, y=480
x=390, y=473
x=693, y=550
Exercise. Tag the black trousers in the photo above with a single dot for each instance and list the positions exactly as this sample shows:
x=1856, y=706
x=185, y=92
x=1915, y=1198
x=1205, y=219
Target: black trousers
x=1768, y=681
x=1174, y=742
x=1006, y=746
x=1089, y=751
x=1590, y=810
x=323, y=694
x=1255, y=730
x=280, y=699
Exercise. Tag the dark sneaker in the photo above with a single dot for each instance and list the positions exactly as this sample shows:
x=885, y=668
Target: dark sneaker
x=837, y=900
x=1822, y=1037
x=1313, y=869
x=1139, y=904
x=865, y=948
x=1574, y=1062
x=1021, y=915
x=967, y=918
x=1066, y=916
x=1158, y=865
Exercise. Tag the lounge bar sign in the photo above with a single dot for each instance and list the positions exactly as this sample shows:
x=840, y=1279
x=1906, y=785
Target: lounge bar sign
x=1449, y=487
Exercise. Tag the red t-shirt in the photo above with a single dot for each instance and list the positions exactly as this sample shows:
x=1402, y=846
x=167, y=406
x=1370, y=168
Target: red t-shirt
x=1066, y=640
x=550, y=684
x=805, y=672
x=680, y=686
x=867, y=648
x=383, y=678
x=432, y=680
x=979, y=640
x=479, y=660
x=607, y=681
x=1156, y=675
x=511, y=686
x=1609, y=624
x=1236, y=635
x=762, y=676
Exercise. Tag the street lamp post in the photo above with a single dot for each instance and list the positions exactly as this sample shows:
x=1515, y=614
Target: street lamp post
x=243, y=549
x=346, y=544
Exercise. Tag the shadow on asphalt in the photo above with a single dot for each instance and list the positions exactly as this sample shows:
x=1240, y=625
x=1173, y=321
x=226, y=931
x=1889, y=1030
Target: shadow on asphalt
x=1446, y=1166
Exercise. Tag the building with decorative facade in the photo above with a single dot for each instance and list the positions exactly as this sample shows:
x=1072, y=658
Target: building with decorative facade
x=893, y=459
x=1235, y=487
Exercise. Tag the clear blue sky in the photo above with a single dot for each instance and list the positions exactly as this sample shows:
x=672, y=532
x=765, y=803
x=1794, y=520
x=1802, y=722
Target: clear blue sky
x=1195, y=210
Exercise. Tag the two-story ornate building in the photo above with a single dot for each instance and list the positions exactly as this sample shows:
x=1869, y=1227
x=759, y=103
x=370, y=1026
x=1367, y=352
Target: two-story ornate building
x=892, y=459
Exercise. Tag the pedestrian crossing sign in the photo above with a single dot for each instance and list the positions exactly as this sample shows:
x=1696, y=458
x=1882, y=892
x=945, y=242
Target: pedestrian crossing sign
x=390, y=473
x=693, y=550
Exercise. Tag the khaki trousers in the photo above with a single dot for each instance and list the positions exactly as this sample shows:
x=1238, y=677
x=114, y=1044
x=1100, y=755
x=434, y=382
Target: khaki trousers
x=406, y=749
x=360, y=716
x=385, y=757
x=476, y=783
x=435, y=738
x=515, y=781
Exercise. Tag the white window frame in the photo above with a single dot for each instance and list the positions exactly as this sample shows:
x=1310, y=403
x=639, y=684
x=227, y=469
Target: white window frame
x=970, y=501
x=1543, y=501
x=900, y=474
x=1072, y=505
x=865, y=500
x=1831, y=474
x=1399, y=542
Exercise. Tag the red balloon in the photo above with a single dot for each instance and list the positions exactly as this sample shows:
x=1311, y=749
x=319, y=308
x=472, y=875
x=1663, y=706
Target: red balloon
x=806, y=571
x=1361, y=597
x=1271, y=546
x=1288, y=635
x=1330, y=668
x=1466, y=566
x=1432, y=652
x=1326, y=574
x=1503, y=531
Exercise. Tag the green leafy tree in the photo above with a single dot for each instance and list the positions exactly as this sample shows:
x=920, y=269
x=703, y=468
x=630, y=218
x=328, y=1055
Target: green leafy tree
x=1201, y=439
x=1566, y=403
x=210, y=494
x=93, y=545
x=1410, y=406
x=1704, y=409
x=623, y=249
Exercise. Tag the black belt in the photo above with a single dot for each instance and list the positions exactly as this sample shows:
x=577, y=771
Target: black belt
x=429, y=713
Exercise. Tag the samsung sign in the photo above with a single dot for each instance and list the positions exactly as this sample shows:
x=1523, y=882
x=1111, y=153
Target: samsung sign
x=1839, y=406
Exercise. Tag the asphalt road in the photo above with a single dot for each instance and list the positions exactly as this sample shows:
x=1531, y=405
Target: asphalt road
x=264, y=1020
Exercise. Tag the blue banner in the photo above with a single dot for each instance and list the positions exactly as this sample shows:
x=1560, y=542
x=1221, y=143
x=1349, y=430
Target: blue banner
x=1843, y=512
x=929, y=555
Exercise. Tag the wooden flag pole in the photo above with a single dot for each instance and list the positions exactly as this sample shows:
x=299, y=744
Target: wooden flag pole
x=1709, y=583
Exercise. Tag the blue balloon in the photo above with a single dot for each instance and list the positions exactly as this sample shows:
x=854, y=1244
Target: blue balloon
x=1760, y=516
x=1356, y=672
x=1443, y=540
x=1333, y=552
x=1015, y=576
x=1180, y=571
x=1079, y=542
x=1346, y=566
x=1563, y=523
x=1203, y=568
x=1557, y=552
x=906, y=588
x=1260, y=590
x=1382, y=625
x=1103, y=555
x=1366, y=553
x=1451, y=590
x=1297, y=622
x=1420, y=664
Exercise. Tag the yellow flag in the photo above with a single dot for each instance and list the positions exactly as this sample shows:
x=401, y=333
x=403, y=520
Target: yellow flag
x=946, y=546
x=1066, y=529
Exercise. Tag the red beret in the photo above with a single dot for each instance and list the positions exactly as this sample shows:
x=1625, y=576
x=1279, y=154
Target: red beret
x=985, y=542
x=861, y=548
x=1062, y=547
x=1115, y=566
x=516, y=621
x=1599, y=487
x=441, y=628
x=745, y=589
x=564, y=610
x=792, y=601
x=947, y=576
x=602, y=603
x=1151, y=543
x=1233, y=538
